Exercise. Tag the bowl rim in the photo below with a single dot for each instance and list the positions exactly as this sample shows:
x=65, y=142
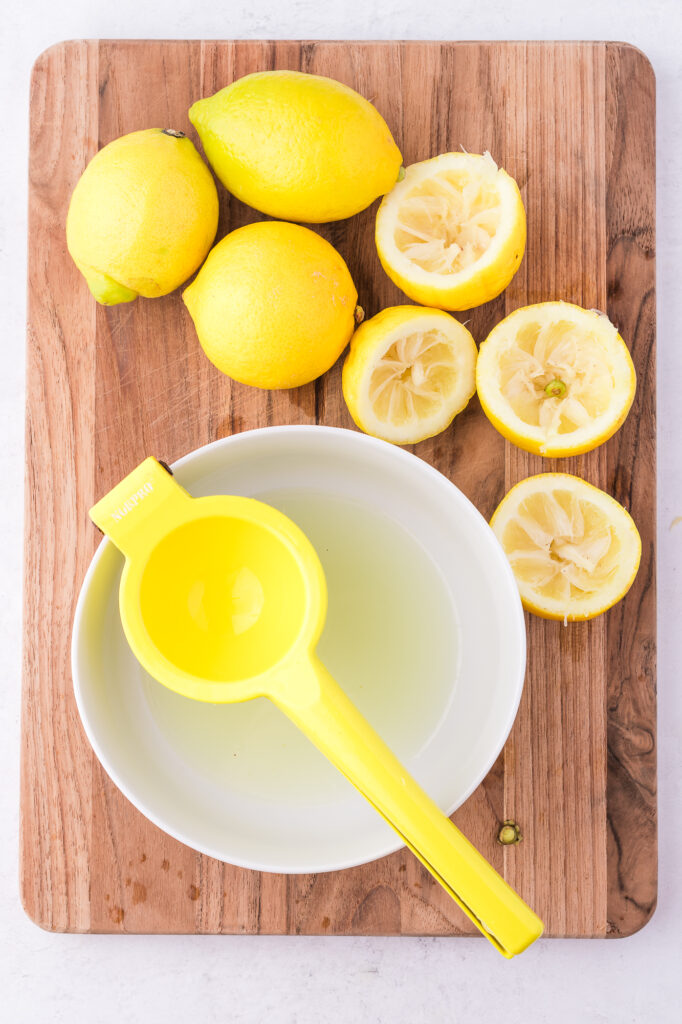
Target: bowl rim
x=516, y=612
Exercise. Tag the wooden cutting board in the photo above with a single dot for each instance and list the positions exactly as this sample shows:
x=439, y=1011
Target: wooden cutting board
x=574, y=124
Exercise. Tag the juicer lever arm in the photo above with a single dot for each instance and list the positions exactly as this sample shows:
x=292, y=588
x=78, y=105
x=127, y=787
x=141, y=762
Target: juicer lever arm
x=330, y=720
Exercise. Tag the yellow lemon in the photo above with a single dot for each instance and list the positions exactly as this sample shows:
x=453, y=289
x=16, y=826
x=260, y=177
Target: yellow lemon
x=555, y=379
x=452, y=233
x=409, y=371
x=274, y=305
x=574, y=550
x=142, y=217
x=297, y=146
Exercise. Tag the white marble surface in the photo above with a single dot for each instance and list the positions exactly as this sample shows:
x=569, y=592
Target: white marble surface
x=48, y=978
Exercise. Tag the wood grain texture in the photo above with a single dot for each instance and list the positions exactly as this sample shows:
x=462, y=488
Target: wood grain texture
x=560, y=788
x=574, y=123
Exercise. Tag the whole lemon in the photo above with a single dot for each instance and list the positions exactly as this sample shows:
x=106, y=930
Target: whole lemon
x=274, y=305
x=142, y=217
x=297, y=146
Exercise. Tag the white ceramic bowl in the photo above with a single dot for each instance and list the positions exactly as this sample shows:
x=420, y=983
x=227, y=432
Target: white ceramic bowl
x=425, y=632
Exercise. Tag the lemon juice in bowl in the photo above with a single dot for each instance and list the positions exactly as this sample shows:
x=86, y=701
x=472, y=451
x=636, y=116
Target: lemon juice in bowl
x=390, y=639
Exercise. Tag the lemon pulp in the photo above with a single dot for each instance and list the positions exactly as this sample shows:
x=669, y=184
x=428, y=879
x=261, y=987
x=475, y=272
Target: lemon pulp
x=411, y=377
x=573, y=549
x=555, y=379
x=448, y=222
x=452, y=232
x=409, y=371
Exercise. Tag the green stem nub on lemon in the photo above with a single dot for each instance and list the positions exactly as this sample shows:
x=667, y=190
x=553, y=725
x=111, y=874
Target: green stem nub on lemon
x=555, y=389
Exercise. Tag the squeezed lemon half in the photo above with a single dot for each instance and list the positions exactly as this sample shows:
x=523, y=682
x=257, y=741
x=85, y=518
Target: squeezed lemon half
x=555, y=379
x=452, y=233
x=408, y=373
x=573, y=549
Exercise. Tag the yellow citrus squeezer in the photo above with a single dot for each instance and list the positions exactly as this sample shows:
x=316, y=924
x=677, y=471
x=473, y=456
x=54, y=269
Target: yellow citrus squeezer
x=224, y=599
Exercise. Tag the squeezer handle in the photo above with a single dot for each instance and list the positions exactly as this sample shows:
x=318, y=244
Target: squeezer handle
x=141, y=507
x=330, y=720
